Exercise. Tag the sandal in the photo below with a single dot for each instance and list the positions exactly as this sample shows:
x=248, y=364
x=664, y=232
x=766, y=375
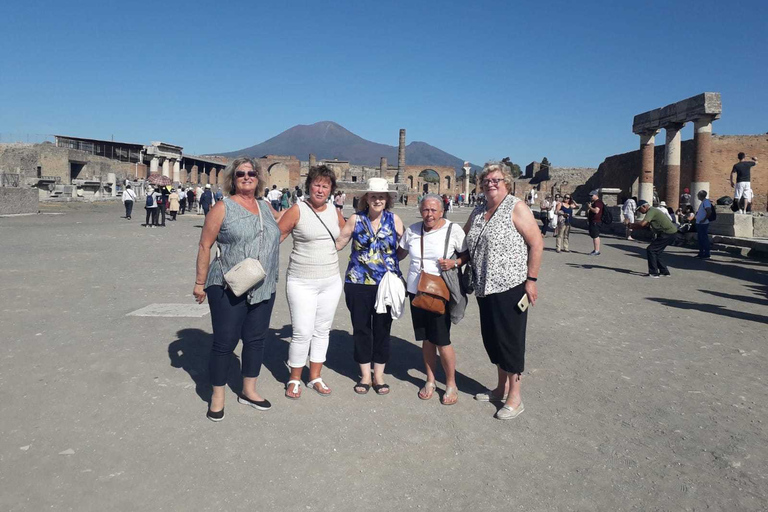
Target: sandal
x=381, y=389
x=296, y=389
x=365, y=388
x=450, y=397
x=311, y=385
x=429, y=388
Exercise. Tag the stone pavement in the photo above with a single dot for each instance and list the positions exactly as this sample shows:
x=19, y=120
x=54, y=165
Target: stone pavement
x=640, y=394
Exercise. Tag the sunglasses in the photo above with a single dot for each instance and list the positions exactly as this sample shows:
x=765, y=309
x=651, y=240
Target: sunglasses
x=241, y=174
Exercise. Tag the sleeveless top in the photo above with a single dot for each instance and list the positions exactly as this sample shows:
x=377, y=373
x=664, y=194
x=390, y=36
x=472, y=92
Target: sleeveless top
x=240, y=238
x=314, y=254
x=373, y=254
x=500, y=255
x=568, y=214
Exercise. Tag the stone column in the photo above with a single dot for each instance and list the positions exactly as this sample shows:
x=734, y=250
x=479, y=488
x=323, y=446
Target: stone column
x=467, y=170
x=176, y=170
x=183, y=176
x=383, y=167
x=166, y=167
x=647, y=141
x=702, y=166
x=153, y=165
x=203, y=178
x=672, y=162
x=400, y=157
x=312, y=160
x=194, y=178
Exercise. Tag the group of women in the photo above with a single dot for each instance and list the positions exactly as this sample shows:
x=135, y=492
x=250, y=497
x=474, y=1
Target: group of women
x=500, y=244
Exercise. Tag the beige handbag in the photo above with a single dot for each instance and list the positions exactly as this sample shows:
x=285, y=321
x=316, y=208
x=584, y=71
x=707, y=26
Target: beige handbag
x=249, y=272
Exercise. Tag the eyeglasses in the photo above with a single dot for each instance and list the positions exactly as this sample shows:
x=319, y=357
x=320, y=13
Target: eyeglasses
x=492, y=181
x=567, y=197
x=241, y=174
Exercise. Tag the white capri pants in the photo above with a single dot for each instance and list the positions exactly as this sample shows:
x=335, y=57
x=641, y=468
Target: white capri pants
x=312, y=303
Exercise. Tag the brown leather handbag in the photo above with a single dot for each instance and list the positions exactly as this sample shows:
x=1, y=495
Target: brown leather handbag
x=432, y=293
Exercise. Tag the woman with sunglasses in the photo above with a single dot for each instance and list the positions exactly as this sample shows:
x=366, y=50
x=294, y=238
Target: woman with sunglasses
x=313, y=284
x=505, y=247
x=243, y=228
x=564, y=211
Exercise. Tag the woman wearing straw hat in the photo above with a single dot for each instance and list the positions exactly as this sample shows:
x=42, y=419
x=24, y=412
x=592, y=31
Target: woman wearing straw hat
x=375, y=232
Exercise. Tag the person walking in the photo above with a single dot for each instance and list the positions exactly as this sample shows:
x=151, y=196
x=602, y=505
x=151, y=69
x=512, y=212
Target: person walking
x=505, y=248
x=429, y=243
x=564, y=211
x=242, y=227
x=182, y=201
x=274, y=197
x=375, y=232
x=628, y=209
x=206, y=199
x=173, y=203
x=129, y=197
x=703, y=214
x=665, y=232
x=595, y=209
x=313, y=285
x=151, y=207
x=190, y=198
x=742, y=189
x=198, y=196
x=544, y=208
x=285, y=200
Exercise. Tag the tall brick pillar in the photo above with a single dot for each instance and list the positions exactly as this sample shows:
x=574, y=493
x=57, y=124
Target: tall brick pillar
x=312, y=160
x=647, y=144
x=214, y=177
x=195, y=178
x=383, y=167
x=702, y=170
x=672, y=162
x=400, y=157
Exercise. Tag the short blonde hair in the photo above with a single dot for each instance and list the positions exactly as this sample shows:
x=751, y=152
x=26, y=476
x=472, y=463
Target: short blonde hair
x=362, y=204
x=490, y=167
x=228, y=181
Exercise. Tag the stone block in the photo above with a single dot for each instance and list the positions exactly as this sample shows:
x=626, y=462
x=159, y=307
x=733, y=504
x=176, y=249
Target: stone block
x=760, y=227
x=742, y=226
x=16, y=200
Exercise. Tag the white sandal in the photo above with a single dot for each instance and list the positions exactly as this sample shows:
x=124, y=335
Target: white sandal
x=311, y=385
x=296, y=387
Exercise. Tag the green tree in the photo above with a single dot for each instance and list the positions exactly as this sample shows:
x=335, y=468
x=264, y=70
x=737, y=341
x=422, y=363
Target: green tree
x=513, y=167
x=545, y=163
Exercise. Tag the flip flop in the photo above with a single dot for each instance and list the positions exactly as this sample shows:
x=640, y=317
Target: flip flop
x=431, y=391
x=381, y=389
x=311, y=385
x=450, y=392
x=366, y=388
x=296, y=388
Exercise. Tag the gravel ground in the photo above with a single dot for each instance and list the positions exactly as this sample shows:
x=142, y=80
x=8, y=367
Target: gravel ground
x=640, y=394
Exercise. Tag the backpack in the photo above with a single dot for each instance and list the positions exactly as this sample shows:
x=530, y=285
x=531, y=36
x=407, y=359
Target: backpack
x=150, y=201
x=607, y=216
x=299, y=193
x=713, y=213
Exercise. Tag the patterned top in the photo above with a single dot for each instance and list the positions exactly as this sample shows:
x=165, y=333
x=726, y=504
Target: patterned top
x=373, y=255
x=239, y=238
x=500, y=255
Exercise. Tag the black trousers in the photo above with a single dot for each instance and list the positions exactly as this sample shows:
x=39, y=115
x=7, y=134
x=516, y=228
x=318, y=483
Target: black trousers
x=162, y=214
x=234, y=319
x=654, y=250
x=128, y=209
x=182, y=206
x=370, y=330
x=151, y=216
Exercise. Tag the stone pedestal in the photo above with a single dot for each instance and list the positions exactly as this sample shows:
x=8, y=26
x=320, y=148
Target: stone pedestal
x=672, y=163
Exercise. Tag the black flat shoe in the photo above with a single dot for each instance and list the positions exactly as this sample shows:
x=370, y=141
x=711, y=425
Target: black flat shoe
x=215, y=416
x=264, y=405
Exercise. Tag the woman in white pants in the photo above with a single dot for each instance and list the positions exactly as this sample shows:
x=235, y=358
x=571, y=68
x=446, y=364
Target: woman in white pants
x=313, y=285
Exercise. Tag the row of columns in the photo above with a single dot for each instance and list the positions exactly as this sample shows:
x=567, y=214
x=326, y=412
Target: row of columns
x=180, y=175
x=702, y=137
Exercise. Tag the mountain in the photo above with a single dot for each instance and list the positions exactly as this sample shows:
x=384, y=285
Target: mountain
x=329, y=140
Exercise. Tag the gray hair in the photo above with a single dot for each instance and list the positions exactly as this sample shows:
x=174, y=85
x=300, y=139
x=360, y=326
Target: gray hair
x=432, y=197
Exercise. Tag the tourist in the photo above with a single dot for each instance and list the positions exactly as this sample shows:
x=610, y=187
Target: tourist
x=151, y=207
x=198, y=196
x=595, y=209
x=173, y=203
x=162, y=205
x=337, y=201
x=182, y=201
x=742, y=189
x=685, y=198
x=544, y=207
x=274, y=196
x=703, y=214
x=665, y=233
x=374, y=231
x=299, y=194
x=663, y=208
x=505, y=247
x=285, y=200
x=564, y=211
x=439, y=239
x=313, y=284
x=243, y=228
x=656, y=200
x=129, y=197
x=206, y=199
x=628, y=209
x=190, y=198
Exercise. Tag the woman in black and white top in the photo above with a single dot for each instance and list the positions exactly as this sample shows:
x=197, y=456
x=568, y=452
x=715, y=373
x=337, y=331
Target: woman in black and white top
x=434, y=330
x=505, y=248
x=313, y=285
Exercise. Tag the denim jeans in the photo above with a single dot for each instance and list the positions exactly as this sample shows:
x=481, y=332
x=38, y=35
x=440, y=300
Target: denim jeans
x=702, y=232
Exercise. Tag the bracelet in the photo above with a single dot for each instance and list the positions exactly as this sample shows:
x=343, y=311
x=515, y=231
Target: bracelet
x=534, y=279
x=201, y=284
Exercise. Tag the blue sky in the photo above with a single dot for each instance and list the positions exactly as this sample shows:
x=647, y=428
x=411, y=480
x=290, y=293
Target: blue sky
x=481, y=80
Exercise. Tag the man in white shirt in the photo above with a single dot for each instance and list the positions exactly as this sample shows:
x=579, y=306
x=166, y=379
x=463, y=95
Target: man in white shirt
x=274, y=197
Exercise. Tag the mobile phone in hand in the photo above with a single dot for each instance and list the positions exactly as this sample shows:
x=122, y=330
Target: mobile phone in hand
x=523, y=304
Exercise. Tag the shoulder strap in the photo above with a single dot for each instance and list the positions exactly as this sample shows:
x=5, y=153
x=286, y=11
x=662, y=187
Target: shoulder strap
x=421, y=240
x=447, y=239
x=323, y=223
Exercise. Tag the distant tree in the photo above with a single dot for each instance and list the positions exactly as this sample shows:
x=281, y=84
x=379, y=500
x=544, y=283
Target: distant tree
x=513, y=167
x=432, y=178
x=545, y=163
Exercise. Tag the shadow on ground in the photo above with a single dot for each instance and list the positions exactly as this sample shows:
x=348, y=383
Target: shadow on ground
x=710, y=308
